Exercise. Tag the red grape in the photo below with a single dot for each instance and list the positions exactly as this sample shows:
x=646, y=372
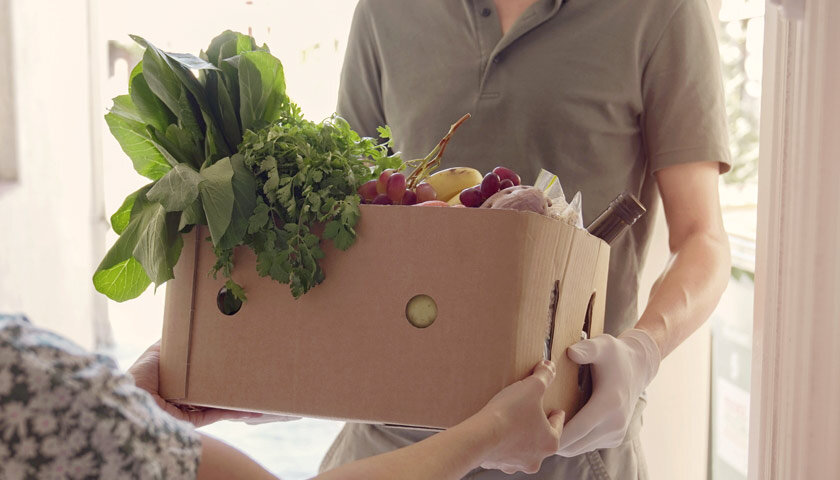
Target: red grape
x=425, y=192
x=368, y=191
x=490, y=185
x=382, y=199
x=471, y=197
x=506, y=173
x=410, y=198
x=382, y=185
x=396, y=187
x=506, y=183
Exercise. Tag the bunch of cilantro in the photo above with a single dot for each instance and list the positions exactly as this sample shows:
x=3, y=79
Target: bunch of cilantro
x=225, y=147
x=307, y=175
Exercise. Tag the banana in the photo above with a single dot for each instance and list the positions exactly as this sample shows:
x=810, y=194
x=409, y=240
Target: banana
x=455, y=200
x=449, y=183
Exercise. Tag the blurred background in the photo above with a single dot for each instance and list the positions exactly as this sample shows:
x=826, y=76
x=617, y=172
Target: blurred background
x=62, y=175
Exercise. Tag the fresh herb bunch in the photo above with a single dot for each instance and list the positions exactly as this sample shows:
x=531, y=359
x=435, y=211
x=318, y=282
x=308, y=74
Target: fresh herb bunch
x=307, y=174
x=183, y=125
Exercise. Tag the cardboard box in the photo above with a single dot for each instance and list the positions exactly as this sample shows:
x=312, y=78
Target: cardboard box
x=345, y=350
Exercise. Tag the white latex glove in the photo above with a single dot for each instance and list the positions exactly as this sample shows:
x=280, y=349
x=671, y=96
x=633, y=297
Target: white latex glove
x=621, y=369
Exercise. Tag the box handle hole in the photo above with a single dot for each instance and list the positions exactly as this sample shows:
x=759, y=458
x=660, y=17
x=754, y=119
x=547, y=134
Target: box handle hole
x=552, y=315
x=421, y=311
x=584, y=372
x=227, y=302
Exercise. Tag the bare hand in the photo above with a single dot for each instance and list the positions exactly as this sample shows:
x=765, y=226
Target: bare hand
x=525, y=434
x=145, y=373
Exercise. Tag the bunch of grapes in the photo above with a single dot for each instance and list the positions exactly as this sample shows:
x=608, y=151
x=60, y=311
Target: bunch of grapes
x=499, y=179
x=391, y=189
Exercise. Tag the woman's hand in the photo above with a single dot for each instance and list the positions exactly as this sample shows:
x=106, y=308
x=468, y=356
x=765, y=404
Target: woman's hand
x=524, y=433
x=511, y=433
x=145, y=373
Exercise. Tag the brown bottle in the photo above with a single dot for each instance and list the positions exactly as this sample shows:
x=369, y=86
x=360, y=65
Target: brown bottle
x=622, y=213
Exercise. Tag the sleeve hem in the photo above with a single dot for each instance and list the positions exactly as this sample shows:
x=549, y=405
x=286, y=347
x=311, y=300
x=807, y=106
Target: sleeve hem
x=681, y=156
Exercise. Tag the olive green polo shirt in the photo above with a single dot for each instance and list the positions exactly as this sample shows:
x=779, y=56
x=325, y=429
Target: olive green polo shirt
x=600, y=92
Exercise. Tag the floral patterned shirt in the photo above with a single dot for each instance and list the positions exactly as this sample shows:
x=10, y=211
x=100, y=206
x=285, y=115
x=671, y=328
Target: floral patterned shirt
x=69, y=414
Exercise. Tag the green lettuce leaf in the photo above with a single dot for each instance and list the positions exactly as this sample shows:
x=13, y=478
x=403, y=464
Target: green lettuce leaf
x=177, y=189
x=193, y=215
x=217, y=198
x=121, y=281
x=146, y=251
x=152, y=111
x=245, y=200
x=223, y=107
x=120, y=218
x=155, y=242
x=228, y=45
x=262, y=89
x=124, y=122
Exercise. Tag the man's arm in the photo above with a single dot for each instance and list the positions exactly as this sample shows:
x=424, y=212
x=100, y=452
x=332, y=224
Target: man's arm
x=682, y=299
x=690, y=287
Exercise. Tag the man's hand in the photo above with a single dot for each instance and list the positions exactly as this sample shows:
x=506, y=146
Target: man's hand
x=145, y=373
x=621, y=369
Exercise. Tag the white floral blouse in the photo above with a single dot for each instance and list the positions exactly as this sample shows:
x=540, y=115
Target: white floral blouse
x=69, y=414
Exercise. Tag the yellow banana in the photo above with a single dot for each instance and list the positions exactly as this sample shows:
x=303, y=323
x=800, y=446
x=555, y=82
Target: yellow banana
x=449, y=183
x=455, y=200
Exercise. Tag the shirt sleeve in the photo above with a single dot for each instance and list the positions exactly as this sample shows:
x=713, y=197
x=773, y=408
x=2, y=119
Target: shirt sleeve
x=360, y=90
x=65, y=413
x=684, y=117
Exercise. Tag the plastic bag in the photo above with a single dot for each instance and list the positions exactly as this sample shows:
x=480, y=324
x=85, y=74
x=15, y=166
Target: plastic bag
x=569, y=212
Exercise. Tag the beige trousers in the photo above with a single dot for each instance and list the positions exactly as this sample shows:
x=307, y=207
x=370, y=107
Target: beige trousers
x=625, y=462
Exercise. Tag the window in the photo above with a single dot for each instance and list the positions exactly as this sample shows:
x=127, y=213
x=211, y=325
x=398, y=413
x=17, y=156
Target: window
x=741, y=36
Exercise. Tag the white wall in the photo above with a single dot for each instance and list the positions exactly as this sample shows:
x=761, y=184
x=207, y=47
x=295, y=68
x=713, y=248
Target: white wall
x=49, y=245
x=8, y=140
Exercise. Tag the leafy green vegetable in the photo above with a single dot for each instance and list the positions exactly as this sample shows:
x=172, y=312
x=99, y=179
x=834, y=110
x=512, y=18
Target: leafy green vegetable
x=193, y=215
x=151, y=108
x=236, y=290
x=121, y=281
x=162, y=79
x=227, y=148
x=227, y=46
x=153, y=243
x=216, y=192
x=224, y=108
x=120, y=218
x=244, y=195
x=177, y=189
x=262, y=88
x=130, y=132
x=146, y=241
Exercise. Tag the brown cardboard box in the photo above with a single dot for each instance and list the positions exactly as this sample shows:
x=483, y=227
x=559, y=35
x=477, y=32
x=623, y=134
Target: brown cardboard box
x=345, y=349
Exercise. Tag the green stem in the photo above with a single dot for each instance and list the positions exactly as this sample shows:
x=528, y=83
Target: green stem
x=427, y=166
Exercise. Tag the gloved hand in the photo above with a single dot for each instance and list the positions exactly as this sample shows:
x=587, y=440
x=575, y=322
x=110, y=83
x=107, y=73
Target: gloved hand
x=621, y=369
